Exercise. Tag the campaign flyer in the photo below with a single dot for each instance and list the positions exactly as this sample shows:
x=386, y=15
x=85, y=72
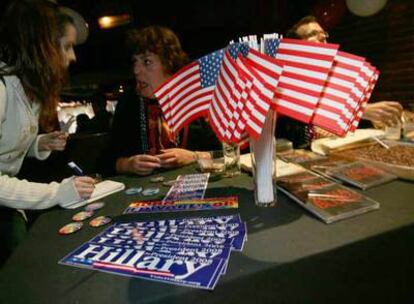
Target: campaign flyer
x=188, y=187
x=182, y=205
x=218, y=252
x=200, y=273
x=208, y=220
x=192, y=252
x=124, y=236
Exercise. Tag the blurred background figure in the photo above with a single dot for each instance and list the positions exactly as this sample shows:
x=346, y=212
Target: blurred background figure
x=379, y=114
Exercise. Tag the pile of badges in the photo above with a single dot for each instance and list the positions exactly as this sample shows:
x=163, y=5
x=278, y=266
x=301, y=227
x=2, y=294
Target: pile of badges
x=192, y=252
x=145, y=192
x=80, y=216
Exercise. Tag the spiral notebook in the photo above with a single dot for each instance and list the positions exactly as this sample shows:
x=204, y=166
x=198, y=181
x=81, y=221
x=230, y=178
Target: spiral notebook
x=102, y=189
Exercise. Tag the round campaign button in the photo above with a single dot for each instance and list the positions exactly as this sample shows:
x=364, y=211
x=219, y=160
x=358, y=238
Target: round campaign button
x=157, y=179
x=169, y=183
x=100, y=221
x=150, y=191
x=83, y=215
x=70, y=228
x=133, y=190
x=95, y=206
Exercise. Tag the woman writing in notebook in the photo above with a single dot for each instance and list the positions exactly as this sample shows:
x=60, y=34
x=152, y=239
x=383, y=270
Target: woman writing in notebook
x=35, y=50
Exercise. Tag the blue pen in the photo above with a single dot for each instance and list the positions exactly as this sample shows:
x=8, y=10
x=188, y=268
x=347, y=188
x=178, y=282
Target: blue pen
x=76, y=168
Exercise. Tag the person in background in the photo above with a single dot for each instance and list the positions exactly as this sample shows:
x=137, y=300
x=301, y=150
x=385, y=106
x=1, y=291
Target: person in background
x=382, y=113
x=141, y=140
x=34, y=55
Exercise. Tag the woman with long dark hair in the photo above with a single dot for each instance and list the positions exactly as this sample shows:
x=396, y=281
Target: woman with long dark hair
x=34, y=55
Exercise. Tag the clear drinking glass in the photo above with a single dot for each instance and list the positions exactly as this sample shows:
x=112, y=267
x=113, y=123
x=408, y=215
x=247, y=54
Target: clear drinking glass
x=408, y=131
x=393, y=132
x=231, y=154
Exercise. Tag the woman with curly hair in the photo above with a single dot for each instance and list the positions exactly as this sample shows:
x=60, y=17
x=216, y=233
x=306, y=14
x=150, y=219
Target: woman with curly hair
x=141, y=140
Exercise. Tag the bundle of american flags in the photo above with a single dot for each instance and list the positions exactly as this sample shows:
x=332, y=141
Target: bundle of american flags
x=236, y=86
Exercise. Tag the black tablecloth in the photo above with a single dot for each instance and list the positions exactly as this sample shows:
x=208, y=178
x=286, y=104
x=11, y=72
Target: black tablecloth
x=290, y=256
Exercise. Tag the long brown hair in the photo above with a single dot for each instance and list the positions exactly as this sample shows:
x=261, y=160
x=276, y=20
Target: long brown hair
x=29, y=46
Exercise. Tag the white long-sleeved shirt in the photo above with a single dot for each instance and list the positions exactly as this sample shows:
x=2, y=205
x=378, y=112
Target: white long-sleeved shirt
x=18, y=138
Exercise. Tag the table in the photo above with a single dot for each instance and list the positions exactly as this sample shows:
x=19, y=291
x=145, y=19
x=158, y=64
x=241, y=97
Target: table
x=290, y=256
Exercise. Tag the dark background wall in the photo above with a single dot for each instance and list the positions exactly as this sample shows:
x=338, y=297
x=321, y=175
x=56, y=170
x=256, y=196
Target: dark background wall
x=386, y=39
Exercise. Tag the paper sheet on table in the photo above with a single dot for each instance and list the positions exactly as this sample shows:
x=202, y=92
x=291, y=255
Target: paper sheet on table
x=329, y=144
x=282, y=168
x=102, y=189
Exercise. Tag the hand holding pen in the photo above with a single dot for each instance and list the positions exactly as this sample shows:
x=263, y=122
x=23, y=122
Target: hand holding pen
x=85, y=185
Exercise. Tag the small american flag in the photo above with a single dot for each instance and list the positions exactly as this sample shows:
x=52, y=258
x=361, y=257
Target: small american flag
x=360, y=91
x=235, y=87
x=333, y=112
x=366, y=97
x=306, y=66
x=258, y=101
x=224, y=101
x=271, y=46
x=187, y=94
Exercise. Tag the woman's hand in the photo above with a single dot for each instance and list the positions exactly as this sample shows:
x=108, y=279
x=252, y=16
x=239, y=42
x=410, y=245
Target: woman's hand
x=53, y=141
x=386, y=113
x=84, y=185
x=176, y=157
x=141, y=164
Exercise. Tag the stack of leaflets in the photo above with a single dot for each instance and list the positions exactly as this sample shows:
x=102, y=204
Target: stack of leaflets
x=192, y=252
x=190, y=186
x=326, y=199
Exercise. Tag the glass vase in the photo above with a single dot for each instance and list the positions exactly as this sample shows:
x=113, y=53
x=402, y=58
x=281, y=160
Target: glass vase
x=263, y=153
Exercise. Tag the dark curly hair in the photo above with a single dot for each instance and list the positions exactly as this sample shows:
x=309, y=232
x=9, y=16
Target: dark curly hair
x=161, y=41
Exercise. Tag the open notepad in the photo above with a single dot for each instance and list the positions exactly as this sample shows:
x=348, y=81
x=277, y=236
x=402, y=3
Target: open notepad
x=102, y=189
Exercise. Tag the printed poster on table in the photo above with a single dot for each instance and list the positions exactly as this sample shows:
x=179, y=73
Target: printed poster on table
x=183, y=205
x=192, y=252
